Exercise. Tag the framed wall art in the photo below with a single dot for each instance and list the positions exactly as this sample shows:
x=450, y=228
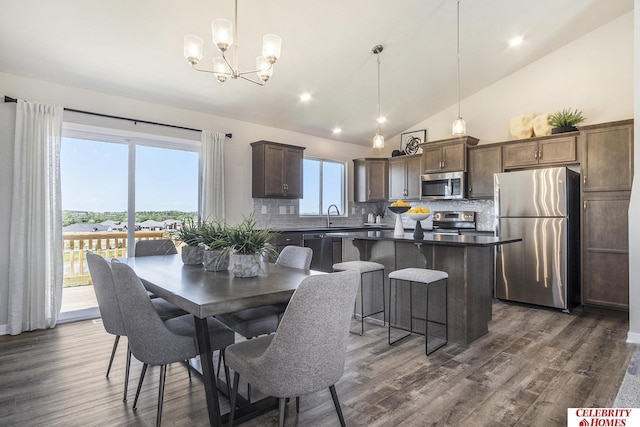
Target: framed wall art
x=409, y=141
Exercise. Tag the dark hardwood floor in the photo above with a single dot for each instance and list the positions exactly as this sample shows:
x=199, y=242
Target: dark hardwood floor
x=531, y=366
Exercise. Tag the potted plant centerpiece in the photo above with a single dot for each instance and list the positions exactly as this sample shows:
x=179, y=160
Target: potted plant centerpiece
x=213, y=239
x=246, y=244
x=565, y=121
x=189, y=234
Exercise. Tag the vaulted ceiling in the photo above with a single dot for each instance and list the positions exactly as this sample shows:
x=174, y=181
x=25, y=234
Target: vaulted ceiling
x=134, y=49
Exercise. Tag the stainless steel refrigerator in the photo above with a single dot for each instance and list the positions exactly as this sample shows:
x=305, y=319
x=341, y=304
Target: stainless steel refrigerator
x=543, y=207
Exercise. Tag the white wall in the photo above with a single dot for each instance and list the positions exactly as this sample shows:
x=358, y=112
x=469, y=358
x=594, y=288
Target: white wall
x=593, y=73
x=634, y=207
x=237, y=150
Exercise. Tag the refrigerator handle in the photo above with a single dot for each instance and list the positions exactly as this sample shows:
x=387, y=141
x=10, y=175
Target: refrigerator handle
x=498, y=247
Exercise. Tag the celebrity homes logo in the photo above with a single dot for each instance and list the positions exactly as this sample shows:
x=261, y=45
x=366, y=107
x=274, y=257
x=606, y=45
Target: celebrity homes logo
x=603, y=417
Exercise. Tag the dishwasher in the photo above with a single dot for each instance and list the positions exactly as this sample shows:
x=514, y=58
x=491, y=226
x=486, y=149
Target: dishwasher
x=322, y=246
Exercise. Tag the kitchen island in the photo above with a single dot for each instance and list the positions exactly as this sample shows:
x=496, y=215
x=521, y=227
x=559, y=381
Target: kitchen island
x=468, y=259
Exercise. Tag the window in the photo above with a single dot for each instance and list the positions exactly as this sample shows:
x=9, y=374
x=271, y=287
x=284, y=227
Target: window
x=324, y=185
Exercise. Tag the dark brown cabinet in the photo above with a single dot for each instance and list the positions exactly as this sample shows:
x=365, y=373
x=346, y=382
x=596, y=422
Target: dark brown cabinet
x=550, y=150
x=444, y=157
x=605, y=254
x=482, y=163
x=607, y=163
x=607, y=174
x=277, y=170
x=404, y=177
x=371, y=180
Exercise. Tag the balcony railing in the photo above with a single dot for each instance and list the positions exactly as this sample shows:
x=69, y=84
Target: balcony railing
x=112, y=244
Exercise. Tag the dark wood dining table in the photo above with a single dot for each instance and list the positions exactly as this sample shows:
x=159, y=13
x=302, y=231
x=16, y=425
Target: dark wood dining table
x=204, y=293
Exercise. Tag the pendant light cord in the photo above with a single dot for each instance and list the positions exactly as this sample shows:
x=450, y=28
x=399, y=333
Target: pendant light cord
x=458, y=49
x=378, y=118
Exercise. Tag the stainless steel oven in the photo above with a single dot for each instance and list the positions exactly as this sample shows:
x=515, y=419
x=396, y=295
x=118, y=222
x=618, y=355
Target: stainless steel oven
x=447, y=185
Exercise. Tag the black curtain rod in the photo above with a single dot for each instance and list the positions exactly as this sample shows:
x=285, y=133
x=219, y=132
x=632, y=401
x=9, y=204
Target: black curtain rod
x=228, y=135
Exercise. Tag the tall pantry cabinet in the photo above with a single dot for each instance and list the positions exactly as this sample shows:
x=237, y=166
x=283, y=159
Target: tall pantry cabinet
x=607, y=174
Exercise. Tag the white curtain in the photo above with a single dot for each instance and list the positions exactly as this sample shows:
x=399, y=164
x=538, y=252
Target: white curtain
x=35, y=264
x=212, y=173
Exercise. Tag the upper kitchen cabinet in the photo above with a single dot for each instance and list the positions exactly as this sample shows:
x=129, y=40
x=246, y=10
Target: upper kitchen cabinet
x=277, y=170
x=482, y=162
x=447, y=155
x=371, y=180
x=548, y=150
x=607, y=156
x=404, y=177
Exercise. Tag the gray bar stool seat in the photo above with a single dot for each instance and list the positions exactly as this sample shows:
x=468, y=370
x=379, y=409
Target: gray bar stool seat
x=365, y=267
x=428, y=278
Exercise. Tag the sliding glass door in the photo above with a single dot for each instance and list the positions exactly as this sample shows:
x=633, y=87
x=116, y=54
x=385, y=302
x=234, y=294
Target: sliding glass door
x=117, y=190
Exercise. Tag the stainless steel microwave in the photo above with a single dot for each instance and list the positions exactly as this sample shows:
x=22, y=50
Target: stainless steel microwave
x=447, y=185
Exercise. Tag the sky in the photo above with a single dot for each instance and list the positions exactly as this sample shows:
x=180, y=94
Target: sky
x=94, y=177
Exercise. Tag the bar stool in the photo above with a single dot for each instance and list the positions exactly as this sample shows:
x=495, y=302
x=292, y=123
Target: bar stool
x=365, y=267
x=425, y=277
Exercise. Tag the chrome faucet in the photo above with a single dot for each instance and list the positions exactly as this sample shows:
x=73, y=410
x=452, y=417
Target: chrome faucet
x=329, y=214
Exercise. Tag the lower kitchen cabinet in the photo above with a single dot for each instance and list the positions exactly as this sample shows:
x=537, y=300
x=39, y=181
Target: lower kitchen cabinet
x=605, y=256
x=280, y=240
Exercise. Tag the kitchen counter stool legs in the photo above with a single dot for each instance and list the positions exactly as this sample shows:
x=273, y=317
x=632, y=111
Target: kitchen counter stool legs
x=428, y=278
x=365, y=267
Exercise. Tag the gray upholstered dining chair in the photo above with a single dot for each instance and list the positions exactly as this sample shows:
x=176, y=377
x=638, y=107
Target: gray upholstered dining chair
x=307, y=353
x=253, y=322
x=155, y=247
x=152, y=248
x=105, y=290
x=154, y=341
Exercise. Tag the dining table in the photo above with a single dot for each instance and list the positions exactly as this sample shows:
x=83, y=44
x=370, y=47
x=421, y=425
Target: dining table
x=205, y=293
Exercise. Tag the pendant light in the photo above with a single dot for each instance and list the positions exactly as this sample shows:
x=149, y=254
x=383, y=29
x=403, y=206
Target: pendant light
x=459, y=127
x=378, y=140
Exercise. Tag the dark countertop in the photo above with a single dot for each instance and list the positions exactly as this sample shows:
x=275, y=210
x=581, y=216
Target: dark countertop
x=333, y=229
x=429, y=238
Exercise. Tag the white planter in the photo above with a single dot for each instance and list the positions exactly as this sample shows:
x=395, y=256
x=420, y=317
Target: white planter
x=245, y=265
x=192, y=255
x=215, y=261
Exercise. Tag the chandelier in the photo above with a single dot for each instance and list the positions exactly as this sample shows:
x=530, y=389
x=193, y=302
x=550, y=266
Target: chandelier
x=225, y=35
x=378, y=140
x=459, y=127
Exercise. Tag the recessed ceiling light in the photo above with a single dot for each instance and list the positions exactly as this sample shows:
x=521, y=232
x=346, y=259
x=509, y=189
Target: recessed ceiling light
x=337, y=131
x=516, y=41
x=381, y=119
x=305, y=97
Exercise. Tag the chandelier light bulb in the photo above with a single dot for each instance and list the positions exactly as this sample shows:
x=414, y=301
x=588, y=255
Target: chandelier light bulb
x=193, y=47
x=221, y=70
x=264, y=67
x=222, y=32
x=271, y=47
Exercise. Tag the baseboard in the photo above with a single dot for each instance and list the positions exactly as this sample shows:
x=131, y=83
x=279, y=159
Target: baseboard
x=633, y=337
x=77, y=315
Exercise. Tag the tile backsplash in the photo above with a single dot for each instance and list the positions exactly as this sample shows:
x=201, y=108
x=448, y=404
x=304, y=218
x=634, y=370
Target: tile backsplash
x=284, y=213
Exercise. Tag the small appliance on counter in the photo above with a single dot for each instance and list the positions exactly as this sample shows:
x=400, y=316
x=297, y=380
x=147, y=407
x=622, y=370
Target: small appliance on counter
x=453, y=222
